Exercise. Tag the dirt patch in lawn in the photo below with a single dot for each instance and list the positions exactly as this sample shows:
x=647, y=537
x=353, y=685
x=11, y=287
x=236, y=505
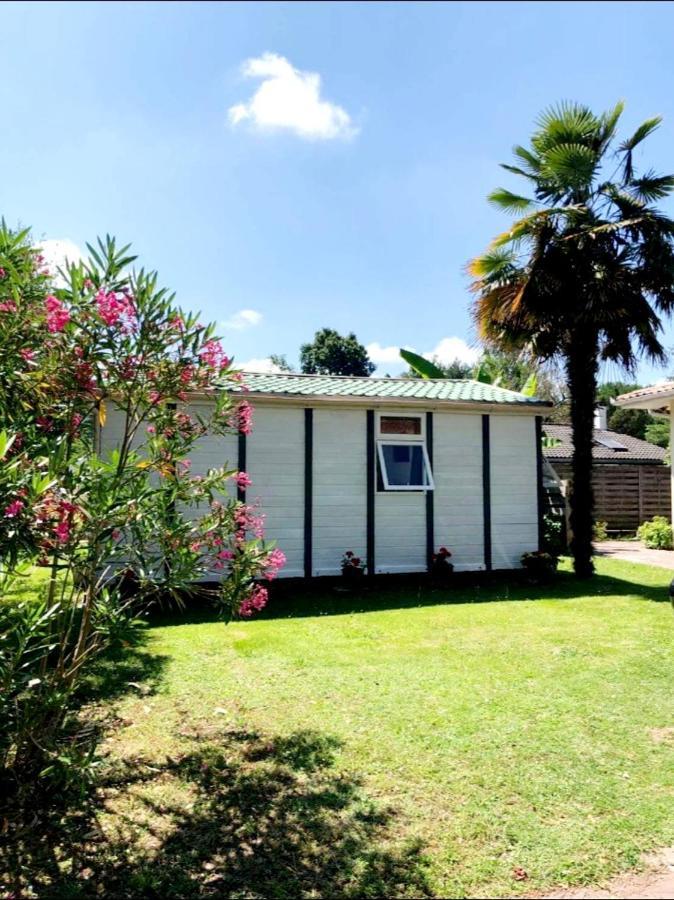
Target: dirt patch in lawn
x=655, y=882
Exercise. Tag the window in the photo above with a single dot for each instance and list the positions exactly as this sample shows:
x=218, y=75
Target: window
x=404, y=467
x=400, y=425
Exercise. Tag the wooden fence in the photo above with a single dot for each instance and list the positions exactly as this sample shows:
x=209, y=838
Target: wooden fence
x=625, y=495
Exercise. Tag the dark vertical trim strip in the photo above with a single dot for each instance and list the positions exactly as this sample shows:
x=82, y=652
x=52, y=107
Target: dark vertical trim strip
x=241, y=465
x=486, y=491
x=540, y=498
x=430, y=506
x=371, y=477
x=308, y=491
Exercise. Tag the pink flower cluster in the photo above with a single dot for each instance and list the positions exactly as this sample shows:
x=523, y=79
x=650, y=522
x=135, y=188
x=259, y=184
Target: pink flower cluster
x=242, y=418
x=8, y=306
x=13, y=509
x=243, y=480
x=113, y=307
x=274, y=563
x=254, y=602
x=57, y=315
x=213, y=356
x=245, y=520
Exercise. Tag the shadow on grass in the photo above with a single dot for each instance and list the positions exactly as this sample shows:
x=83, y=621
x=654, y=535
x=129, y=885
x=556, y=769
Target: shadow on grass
x=266, y=817
x=297, y=599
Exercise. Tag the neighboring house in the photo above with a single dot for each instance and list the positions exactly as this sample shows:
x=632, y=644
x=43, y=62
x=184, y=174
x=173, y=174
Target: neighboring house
x=659, y=401
x=390, y=468
x=630, y=479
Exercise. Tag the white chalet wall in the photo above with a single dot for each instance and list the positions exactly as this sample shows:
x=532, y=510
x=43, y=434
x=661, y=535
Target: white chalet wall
x=514, y=490
x=457, y=469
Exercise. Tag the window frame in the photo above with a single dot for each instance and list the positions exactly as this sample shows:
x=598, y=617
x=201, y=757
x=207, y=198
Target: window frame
x=402, y=438
x=423, y=488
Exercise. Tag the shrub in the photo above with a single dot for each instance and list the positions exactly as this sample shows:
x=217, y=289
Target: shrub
x=352, y=566
x=441, y=567
x=539, y=564
x=600, y=531
x=105, y=340
x=554, y=533
x=656, y=534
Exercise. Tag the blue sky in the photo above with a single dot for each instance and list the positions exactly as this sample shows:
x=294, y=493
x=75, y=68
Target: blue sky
x=197, y=132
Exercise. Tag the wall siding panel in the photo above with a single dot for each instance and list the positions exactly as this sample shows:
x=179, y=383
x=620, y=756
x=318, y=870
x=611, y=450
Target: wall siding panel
x=514, y=493
x=457, y=471
x=339, y=479
x=275, y=458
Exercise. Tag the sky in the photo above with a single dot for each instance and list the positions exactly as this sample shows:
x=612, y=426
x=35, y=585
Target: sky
x=291, y=166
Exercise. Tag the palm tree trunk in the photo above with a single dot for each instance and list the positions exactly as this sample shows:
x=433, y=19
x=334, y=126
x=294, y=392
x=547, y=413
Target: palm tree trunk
x=581, y=370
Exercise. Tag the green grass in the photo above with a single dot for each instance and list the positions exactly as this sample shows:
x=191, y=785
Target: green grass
x=406, y=743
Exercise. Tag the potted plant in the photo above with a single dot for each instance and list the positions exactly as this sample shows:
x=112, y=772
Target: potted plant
x=441, y=567
x=539, y=564
x=352, y=567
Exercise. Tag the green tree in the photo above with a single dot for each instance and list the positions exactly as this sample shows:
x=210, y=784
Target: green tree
x=331, y=353
x=658, y=433
x=279, y=360
x=626, y=421
x=584, y=272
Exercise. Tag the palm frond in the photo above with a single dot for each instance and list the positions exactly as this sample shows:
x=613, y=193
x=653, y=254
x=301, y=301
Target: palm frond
x=646, y=128
x=652, y=187
x=492, y=263
x=509, y=202
x=570, y=164
x=531, y=162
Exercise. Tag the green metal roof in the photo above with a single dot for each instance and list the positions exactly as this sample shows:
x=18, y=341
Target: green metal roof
x=450, y=390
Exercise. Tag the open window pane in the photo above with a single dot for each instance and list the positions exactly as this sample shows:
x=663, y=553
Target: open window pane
x=404, y=467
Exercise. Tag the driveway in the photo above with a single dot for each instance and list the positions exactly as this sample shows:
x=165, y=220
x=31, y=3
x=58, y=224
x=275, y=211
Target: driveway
x=634, y=551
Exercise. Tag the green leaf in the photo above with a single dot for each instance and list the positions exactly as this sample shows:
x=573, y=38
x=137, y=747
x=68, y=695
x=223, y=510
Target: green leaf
x=642, y=132
x=530, y=386
x=512, y=203
x=652, y=187
x=421, y=366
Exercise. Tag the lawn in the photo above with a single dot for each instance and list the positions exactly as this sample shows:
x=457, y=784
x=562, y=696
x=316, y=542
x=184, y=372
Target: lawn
x=476, y=742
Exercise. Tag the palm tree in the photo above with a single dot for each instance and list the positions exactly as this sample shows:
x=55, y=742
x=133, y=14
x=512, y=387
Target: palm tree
x=584, y=272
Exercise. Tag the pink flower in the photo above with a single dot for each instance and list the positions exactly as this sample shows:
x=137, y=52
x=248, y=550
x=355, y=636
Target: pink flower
x=14, y=508
x=274, y=563
x=2, y=272
x=242, y=418
x=112, y=307
x=254, y=602
x=62, y=532
x=8, y=306
x=177, y=324
x=27, y=355
x=213, y=356
x=151, y=429
x=243, y=480
x=57, y=315
x=225, y=554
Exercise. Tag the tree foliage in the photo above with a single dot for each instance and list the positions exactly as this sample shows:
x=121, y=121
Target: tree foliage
x=585, y=270
x=331, y=353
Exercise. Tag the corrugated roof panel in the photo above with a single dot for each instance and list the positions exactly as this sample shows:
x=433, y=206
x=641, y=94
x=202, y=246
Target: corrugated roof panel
x=461, y=391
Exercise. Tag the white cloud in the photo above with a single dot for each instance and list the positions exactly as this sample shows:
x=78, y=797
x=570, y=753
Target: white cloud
x=445, y=352
x=385, y=355
x=451, y=348
x=290, y=99
x=259, y=365
x=244, y=318
x=56, y=251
